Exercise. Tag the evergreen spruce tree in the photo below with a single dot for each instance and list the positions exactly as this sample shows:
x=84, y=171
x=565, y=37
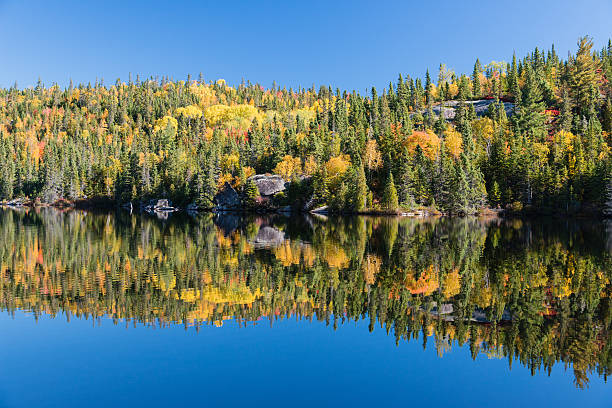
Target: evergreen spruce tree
x=565, y=115
x=389, y=198
x=445, y=181
x=7, y=172
x=428, y=86
x=405, y=180
x=251, y=192
x=476, y=91
x=606, y=116
x=495, y=194
x=359, y=189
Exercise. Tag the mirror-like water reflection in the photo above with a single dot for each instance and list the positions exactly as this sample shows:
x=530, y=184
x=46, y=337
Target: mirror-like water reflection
x=536, y=293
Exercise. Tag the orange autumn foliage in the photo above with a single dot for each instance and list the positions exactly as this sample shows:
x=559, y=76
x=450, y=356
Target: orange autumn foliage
x=428, y=141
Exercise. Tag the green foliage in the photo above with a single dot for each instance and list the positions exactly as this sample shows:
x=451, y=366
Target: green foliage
x=251, y=192
x=358, y=191
x=533, y=292
x=389, y=199
x=181, y=140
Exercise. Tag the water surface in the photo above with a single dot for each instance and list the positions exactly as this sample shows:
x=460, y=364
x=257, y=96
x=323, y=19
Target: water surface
x=113, y=309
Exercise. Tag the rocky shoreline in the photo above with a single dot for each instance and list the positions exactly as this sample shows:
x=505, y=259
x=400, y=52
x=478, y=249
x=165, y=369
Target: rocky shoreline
x=271, y=197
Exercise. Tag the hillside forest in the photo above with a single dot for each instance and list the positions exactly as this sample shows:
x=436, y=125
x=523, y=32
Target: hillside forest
x=542, y=144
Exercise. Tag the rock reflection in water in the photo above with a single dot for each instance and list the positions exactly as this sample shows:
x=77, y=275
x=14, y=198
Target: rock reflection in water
x=534, y=291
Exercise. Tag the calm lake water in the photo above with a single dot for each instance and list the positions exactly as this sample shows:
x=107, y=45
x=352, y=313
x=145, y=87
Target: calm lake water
x=119, y=310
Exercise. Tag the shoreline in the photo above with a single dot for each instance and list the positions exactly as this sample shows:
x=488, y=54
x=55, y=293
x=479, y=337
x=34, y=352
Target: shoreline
x=109, y=205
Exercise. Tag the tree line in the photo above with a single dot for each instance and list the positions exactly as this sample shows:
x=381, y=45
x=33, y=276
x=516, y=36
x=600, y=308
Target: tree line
x=542, y=144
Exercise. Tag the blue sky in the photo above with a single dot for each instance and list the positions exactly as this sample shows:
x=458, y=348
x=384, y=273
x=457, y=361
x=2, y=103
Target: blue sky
x=347, y=44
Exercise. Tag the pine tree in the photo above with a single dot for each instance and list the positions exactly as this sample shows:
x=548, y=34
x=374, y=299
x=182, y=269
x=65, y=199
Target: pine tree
x=606, y=116
x=7, y=173
x=583, y=76
x=470, y=181
x=566, y=116
x=251, y=192
x=406, y=179
x=476, y=91
x=359, y=189
x=428, y=86
x=529, y=119
x=389, y=199
x=495, y=195
x=445, y=181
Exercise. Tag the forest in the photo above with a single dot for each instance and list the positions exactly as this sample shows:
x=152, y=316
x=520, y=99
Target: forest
x=542, y=144
x=533, y=293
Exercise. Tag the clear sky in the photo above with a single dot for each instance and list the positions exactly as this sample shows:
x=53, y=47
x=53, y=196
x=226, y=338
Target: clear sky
x=347, y=44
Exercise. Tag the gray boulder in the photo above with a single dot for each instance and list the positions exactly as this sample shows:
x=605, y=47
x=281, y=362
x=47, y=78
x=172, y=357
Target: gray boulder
x=310, y=204
x=227, y=222
x=16, y=202
x=268, y=185
x=159, y=205
x=227, y=199
x=320, y=210
x=269, y=236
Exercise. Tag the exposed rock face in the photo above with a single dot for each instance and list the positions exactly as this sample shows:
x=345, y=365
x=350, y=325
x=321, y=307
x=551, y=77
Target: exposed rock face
x=480, y=107
x=268, y=185
x=227, y=199
x=227, y=222
x=17, y=202
x=310, y=204
x=320, y=210
x=159, y=205
x=269, y=236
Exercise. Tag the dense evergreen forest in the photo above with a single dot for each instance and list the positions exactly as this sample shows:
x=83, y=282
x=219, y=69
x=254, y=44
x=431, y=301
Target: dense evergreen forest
x=537, y=294
x=542, y=144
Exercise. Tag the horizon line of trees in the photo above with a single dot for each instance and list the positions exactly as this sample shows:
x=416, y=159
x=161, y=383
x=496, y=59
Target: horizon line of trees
x=184, y=140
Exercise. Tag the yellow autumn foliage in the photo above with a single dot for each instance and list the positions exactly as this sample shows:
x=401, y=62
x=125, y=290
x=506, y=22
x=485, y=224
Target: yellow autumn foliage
x=289, y=167
x=452, y=284
x=236, y=116
x=336, y=257
x=336, y=167
x=565, y=140
x=371, y=267
x=189, y=112
x=310, y=166
x=483, y=128
x=453, y=142
x=373, y=158
x=167, y=122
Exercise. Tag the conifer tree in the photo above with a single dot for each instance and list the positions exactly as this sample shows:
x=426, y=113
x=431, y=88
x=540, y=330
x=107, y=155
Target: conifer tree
x=389, y=199
x=476, y=91
x=358, y=193
x=251, y=192
x=405, y=180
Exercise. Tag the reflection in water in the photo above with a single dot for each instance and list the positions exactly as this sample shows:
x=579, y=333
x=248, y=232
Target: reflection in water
x=536, y=292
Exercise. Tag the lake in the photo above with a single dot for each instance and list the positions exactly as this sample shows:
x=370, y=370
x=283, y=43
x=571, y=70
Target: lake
x=220, y=310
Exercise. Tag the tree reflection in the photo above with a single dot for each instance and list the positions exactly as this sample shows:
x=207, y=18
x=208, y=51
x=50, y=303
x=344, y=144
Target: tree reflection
x=536, y=292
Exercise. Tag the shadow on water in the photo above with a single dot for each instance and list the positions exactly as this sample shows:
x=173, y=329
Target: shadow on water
x=534, y=291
